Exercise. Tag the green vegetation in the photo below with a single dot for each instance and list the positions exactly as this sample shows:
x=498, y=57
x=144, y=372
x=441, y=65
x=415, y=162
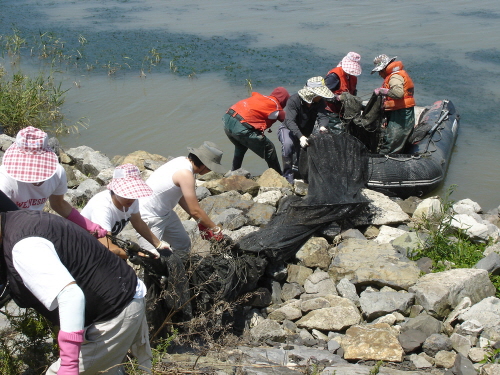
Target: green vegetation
x=447, y=246
x=26, y=101
x=24, y=345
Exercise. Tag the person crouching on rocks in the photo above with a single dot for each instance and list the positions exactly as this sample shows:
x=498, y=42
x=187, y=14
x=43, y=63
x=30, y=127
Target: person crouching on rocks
x=113, y=208
x=31, y=174
x=69, y=277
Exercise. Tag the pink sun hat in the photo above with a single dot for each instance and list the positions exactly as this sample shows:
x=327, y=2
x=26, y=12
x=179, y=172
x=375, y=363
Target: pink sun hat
x=30, y=159
x=127, y=183
x=350, y=64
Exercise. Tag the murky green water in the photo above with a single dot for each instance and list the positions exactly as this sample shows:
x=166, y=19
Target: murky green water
x=157, y=75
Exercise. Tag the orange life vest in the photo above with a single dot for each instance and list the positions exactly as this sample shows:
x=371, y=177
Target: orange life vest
x=256, y=109
x=347, y=84
x=408, y=100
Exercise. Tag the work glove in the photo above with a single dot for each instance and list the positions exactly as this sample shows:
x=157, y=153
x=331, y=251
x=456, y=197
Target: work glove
x=214, y=233
x=162, y=246
x=322, y=129
x=95, y=229
x=69, y=350
x=304, y=142
x=381, y=91
x=336, y=97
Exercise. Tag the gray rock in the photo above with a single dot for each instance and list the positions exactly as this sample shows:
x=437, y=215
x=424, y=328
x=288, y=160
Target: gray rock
x=423, y=323
x=347, y=290
x=260, y=214
x=374, y=305
x=463, y=366
x=486, y=312
x=411, y=340
x=388, y=234
x=88, y=161
x=440, y=292
x=231, y=219
x=366, y=262
x=268, y=330
x=436, y=343
x=353, y=233
x=202, y=192
x=290, y=291
x=271, y=197
x=461, y=344
x=409, y=242
x=320, y=284
x=490, y=263
x=342, y=314
x=238, y=172
x=381, y=211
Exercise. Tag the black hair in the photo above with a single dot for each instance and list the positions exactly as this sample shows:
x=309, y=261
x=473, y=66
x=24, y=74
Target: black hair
x=195, y=159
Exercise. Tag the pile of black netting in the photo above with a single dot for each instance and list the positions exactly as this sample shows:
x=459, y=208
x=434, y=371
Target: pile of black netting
x=335, y=166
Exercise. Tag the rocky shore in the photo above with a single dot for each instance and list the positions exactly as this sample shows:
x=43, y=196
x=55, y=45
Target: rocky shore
x=352, y=297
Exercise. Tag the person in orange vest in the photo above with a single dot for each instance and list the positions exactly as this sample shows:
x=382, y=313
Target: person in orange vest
x=399, y=103
x=342, y=78
x=246, y=121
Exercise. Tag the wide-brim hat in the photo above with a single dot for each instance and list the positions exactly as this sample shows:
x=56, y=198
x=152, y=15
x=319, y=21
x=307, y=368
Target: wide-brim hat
x=350, y=64
x=381, y=61
x=315, y=86
x=210, y=155
x=30, y=159
x=127, y=183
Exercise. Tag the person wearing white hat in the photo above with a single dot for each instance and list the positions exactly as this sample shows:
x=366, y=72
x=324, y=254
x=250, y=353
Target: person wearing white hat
x=174, y=183
x=399, y=103
x=31, y=174
x=342, y=78
x=113, y=208
x=302, y=111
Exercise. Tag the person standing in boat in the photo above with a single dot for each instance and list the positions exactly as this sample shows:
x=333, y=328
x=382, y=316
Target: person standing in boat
x=399, y=103
x=246, y=121
x=302, y=110
x=31, y=174
x=340, y=79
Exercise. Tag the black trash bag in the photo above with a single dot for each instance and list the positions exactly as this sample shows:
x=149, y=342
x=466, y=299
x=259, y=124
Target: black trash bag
x=337, y=170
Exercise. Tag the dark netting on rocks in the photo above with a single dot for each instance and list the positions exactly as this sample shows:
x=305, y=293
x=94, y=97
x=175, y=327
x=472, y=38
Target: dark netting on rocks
x=336, y=167
x=179, y=285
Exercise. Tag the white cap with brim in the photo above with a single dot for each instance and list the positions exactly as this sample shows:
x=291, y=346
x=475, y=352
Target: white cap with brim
x=210, y=155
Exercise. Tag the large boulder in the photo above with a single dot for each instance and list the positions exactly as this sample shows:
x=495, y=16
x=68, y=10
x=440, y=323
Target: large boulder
x=365, y=262
x=440, y=292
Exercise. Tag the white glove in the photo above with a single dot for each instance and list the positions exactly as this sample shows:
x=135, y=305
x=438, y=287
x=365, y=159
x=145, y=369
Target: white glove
x=162, y=246
x=155, y=253
x=303, y=142
x=323, y=129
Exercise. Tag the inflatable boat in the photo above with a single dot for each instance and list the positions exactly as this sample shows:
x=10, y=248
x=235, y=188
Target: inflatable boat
x=422, y=167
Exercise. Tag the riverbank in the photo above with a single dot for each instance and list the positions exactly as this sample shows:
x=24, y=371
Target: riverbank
x=351, y=296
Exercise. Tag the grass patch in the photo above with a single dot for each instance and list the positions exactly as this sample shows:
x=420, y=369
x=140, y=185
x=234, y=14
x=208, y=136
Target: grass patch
x=449, y=247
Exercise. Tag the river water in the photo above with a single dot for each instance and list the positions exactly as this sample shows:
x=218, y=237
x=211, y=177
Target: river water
x=157, y=75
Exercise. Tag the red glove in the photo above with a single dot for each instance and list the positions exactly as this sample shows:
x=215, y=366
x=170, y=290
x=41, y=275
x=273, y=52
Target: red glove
x=69, y=350
x=95, y=229
x=381, y=91
x=208, y=234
